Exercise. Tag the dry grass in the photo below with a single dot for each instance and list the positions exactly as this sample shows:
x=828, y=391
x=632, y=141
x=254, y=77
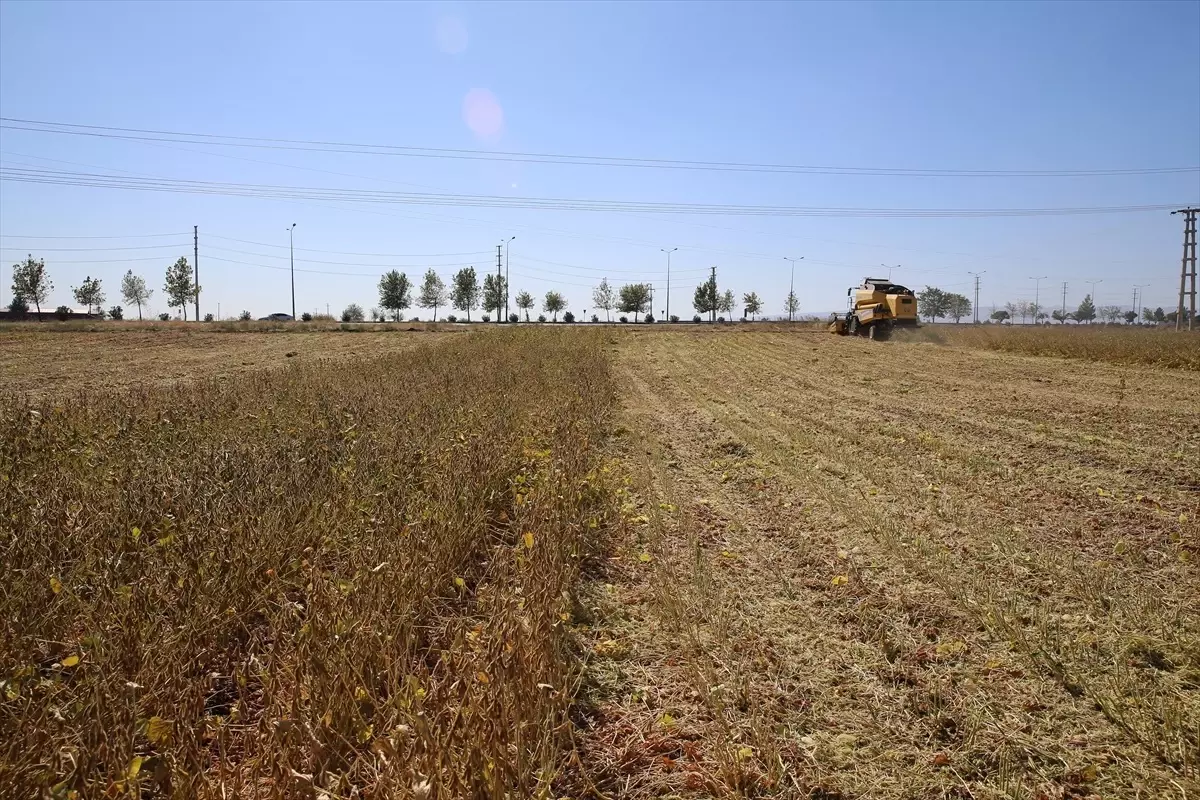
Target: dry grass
x=1120, y=344
x=877, y=574
x=32, y=361
x=317, y=581
x=804, y=566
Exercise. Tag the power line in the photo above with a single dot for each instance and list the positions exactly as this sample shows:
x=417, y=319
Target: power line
x=41, y=249
x=100, y=180
x=182, y=137
x=348, y=253
x=132, y=236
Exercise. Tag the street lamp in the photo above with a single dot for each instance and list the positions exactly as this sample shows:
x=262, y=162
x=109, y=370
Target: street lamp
x=889, y=269
x=1037, y=283
x=506, y=241
x=292, y=268
x=792, y=283
x=667, y=316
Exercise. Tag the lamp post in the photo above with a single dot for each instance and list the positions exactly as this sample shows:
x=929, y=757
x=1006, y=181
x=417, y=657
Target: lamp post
x=1037, y=284
x=792, y=283
x=668, y=252
x=889, y=269
x=292, y=267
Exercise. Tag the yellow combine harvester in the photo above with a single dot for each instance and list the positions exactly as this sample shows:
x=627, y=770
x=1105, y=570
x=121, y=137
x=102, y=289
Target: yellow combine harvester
x=876, y=309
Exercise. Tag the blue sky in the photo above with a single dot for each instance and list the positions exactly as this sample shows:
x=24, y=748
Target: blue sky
x=931, y=86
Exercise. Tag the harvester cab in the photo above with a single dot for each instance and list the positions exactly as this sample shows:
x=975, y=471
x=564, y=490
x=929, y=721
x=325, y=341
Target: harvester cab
x=876, y=309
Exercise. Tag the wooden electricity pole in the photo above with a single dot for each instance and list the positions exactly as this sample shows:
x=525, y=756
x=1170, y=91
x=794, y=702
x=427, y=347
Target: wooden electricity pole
x=1187, y=268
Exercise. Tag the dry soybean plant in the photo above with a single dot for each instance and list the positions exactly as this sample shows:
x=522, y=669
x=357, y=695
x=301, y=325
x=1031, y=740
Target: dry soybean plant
x=322, y=581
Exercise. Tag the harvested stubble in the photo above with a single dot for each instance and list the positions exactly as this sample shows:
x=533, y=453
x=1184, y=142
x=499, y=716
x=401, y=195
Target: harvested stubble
x=1119, y=344
x=309, y=582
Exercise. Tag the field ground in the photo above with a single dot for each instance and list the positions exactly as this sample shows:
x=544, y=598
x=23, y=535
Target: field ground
x=70, y=361
x=611, y=562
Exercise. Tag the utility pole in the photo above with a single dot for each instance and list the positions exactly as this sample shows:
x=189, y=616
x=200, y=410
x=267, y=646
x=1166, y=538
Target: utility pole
x=668, y=252
x=1189, y=257
x=792, y=283
x=713, y=313
x=499, y=278
x=196, y=264
x=1037, y=296
x=974, y=307
x=506, y=286
x=1140, y=298
x=292, y=262
x=1064, y=307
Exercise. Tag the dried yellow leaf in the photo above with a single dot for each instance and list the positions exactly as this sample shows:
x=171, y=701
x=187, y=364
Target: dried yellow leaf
x=645, y=558
x=70, y=661
x=460, y=583
x=483, y=677
x=55, y=585
x=839, y=580
x=528, y=539
x=135, y=766
x=158, y=730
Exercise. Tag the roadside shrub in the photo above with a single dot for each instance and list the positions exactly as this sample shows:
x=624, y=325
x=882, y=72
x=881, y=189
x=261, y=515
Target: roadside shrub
x=674, y=318
x=720, y=319
x=414, y=319
x=62, y=312
x=18, y=307
x=487, y=317
x=116, y=312
x=696, y=318
x=163, y=317
x=306, y=317
x=208, y=317
x=353, y=313
x=623, y=319
x=568, y=317
x=541, y=317
x=648, y=318
x=244, y=316
x=595, y=317
x=451, y=318
x=514, y=318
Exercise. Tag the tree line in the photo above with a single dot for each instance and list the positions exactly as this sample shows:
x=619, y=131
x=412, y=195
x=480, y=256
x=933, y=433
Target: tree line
x=934, y=303
x=31, y=284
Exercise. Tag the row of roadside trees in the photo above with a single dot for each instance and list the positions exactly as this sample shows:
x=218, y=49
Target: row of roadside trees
x=934, y=303
x=31, y=285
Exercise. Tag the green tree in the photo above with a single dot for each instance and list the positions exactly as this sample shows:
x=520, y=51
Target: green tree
x=635, y=299
x=1130, y=317
x=525, y=302
x=30, y=281
x=1109, y=314
x=89, y=293
x=1059, y=317
x=933, y=303
x=707, y=300
x=727, y=303
x=1001, y=314
x=495, y=294
x=464, y=293
x=1159, y=316
x=116, y=312
x=133, y=290
x=433, y=293
x=18, y=307
x=752, y=304
x=179, y=286
x=791, y=305
x=395, y=293
x=353, y=313
x=554, y=303
x=604, y=297
x=1086, y=311
x=957, y=306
